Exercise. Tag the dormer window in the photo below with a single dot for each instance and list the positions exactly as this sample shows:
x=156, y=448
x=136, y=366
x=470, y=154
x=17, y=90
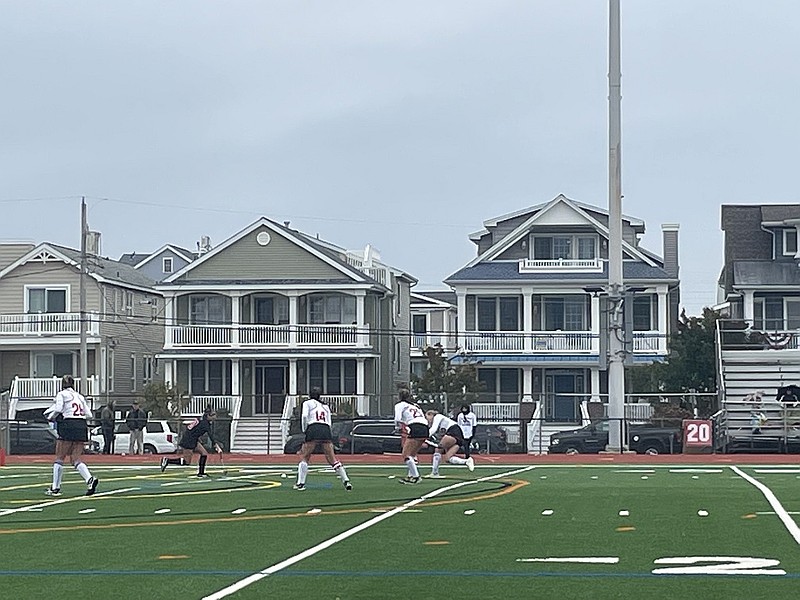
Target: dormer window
x=564, y=247
x=167, y=265
x=790, y=242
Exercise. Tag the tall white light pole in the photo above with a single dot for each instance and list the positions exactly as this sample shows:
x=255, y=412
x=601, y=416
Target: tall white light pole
x=616, y=348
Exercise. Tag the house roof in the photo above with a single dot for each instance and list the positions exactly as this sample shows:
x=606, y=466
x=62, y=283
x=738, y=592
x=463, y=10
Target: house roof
x=509, y=271
x=757, y=273
x=441, y=298
x=100, y=268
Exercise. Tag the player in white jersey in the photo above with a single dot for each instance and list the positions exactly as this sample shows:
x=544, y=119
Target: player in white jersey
x=70, y=411
x=451, y=438
x=316, y=423
x=410, y=415
x=468, y=422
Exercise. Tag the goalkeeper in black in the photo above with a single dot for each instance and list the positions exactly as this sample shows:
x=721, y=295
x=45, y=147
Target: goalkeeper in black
x=190, y=442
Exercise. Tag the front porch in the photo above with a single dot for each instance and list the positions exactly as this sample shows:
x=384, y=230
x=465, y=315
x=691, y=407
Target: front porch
x=29, y=393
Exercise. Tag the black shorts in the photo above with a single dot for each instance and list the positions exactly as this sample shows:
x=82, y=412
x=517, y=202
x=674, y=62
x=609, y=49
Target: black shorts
x=455, y=431
x=418, y=431
x=319, y=432
x=73, y=430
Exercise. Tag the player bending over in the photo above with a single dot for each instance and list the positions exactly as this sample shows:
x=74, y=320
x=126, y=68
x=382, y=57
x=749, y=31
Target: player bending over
x=452, y=438
x=316, y=423
x=190, y=442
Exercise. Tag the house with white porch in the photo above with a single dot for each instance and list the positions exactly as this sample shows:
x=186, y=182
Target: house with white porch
x=533, y=316
x=433, y=323
x=40, y=327
x=258, y=320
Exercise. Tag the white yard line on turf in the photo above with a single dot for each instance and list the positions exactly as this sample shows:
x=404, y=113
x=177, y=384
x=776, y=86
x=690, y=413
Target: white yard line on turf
x=9, y=511
x=776, y=505
x=350, y=532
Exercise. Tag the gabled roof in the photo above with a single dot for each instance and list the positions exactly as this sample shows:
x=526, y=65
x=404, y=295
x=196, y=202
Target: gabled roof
x=435, y=299
x=103, y=270
x=181, y=252
x=523, y=229
x=494, y=222
x=302, y=240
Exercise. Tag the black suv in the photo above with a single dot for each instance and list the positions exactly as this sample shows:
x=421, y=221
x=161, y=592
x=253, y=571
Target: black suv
x=376, y=436
x=31, y=438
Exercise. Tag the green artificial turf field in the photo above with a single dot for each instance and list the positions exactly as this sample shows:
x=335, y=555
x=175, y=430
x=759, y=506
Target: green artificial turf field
x=500, y=532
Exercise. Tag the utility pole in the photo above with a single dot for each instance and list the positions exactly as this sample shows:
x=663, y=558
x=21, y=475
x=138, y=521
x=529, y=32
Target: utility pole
x=84, y=325
x=616, y=348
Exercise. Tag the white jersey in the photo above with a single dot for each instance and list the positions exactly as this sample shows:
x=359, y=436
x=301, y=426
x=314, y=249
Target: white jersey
x=315, y=411
x=70, y=404
x=407, y=413
x=441, y=423
x=468, y=422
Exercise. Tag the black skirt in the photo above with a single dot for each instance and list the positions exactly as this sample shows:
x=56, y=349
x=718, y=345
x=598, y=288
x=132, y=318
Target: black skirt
x=73, y=430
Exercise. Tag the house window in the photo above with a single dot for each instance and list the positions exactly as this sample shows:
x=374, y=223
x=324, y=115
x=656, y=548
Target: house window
x=500, y=385
x=768, y=313
x=147, y=369
x=561, y=313
x=129, y=303
x=167, y=265
x=790, y=242
x=209, y=310
x=210, y=377
x=643, y=313
x=793, y=313
x=583, y=247
x=133, y=372
x=498, y=313
x=332, y=309
x=333, y=377
x=47, y=300
x=269, y=310
x=110, y=371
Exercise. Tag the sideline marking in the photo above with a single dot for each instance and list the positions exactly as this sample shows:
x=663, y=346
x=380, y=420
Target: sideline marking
x=235, y=587
x=592, y=560
x=9, y=511
x=776, y=505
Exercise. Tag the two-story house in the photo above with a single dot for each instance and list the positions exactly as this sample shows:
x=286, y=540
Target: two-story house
x=40, y=327
x=759, y=293
x=433, y=322
x=532, y=315
x=164, y=262
x=257, y=321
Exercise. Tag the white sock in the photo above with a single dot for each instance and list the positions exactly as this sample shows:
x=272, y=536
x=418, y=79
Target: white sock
x=457, y=460
x=339, y=468
x=412, y=467
x=58, y=469
x=84, y=471
x=437, y=459
x=302, y=471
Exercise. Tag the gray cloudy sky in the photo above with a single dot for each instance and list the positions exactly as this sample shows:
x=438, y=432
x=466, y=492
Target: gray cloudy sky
x=401, y=124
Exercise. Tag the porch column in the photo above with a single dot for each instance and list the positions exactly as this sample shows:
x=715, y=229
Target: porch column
x=663, y=319
x=293, y=322
x=293, y=377
x=169, y=320
x=747, y=307
x=236, y=307
x=461, y=299
x=527, y=321
x=362, y=403
x=527, y=383
x=595, y=316
x=169, y=373
x=236, y=376
x=362, y=338
x=594, y=376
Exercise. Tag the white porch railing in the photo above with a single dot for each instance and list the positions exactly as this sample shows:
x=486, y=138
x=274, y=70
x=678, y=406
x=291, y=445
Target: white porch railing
x=535, y=341
x=197, y=405
x=48, y=387
x=420, y=341
x=47, y=324
x=562, y=265
x=246, y=335
x=496, y=412
x=651, y=342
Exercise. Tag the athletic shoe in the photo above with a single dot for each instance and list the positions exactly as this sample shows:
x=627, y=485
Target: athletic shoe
x=347, y=485
x=434, y=476
x=53, y=492
x=91, y=485
x=471, y=463
x=164, y=463
x=409, y=480
x=203, y=476
x=299, y=486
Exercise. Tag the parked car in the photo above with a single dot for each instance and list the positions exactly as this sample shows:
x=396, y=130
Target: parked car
x=376, y=436
x=159, y=438
x=590, y=439
x=28, y=437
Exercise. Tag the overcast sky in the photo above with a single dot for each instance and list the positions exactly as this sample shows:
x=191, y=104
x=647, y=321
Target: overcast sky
x=400, y=124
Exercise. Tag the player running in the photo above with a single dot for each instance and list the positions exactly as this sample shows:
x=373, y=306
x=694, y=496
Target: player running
x=451, y=438
x=316, y=423
x=407, y=413
x=190, y=442
x=70, y=411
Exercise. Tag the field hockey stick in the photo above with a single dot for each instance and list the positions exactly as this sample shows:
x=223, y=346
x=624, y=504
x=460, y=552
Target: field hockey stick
x=222, y=462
